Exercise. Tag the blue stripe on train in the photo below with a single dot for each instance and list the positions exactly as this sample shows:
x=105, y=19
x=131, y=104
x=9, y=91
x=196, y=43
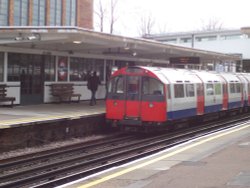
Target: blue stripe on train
x=181, y=113
x=193, y=111
x=236, y=104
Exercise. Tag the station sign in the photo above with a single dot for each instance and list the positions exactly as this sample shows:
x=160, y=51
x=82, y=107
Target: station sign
x=184, y=60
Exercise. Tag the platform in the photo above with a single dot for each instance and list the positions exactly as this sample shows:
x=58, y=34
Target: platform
x=26, y=115
x=220, y=160
x=35, y=125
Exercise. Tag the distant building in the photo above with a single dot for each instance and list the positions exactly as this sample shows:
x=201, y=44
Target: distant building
x=77, y=13
x=225, y=41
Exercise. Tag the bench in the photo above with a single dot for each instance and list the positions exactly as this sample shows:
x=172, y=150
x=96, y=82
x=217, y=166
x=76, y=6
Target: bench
x=64, y=91
x=3, y=95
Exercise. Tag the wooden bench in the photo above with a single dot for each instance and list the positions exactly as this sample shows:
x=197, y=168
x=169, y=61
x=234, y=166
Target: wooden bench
x=3, y=95
x=64, y=91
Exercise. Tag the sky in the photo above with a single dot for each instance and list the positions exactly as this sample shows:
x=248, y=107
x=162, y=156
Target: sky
x=180, y=15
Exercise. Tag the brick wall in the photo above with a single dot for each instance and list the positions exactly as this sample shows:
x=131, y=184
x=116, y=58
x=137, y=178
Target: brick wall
x=85, y=14
x=84, y=17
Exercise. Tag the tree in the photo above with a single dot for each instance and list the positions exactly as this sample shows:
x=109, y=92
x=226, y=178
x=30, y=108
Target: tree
x=113, y=17
x=100, y=12
x=106, y=14
x=212, y=24
x=146, y=25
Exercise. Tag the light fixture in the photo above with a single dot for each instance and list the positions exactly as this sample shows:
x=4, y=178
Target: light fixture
x=34, y=36
x=19, y=37
x=134, y=54
x=77, y=42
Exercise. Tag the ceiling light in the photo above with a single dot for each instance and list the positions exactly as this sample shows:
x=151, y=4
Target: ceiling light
x=77, y=42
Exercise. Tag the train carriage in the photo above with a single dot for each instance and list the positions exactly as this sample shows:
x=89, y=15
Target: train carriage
x=148, y=96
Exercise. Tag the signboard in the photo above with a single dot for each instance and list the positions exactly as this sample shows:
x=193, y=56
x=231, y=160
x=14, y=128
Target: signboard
x=184, y=60
x=62, y=69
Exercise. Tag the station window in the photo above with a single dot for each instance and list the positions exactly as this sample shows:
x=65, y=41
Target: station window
x=80, y=68
x=4, y=7
x=39, y=7
x=21, y=12
x=178, y=90
x=71, y=12
x=185, y=40
x=1, y=66
x=190, y=90
x=210, y=89
x=49, y=68
x=152, y=86
x=55, y=12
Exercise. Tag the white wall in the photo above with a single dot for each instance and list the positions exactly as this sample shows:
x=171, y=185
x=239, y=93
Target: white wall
x=235, y=46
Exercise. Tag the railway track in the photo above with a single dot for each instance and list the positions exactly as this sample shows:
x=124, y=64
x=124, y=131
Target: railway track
x=56, y=167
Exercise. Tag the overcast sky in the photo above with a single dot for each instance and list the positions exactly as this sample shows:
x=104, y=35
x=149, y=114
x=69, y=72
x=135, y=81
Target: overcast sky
x=180, y=15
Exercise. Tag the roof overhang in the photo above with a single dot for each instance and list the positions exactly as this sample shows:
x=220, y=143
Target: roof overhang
x=73, y=40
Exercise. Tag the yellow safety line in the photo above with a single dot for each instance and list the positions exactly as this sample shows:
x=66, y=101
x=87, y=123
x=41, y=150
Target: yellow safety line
x=8, y=123
x=122, y=172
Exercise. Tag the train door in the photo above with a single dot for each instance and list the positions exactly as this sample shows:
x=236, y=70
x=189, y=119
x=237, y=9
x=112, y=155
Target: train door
x=153, y=100
x=210, y=96
x=200, y=98
x=225, y=96
x=133, y=97
x=116, y=98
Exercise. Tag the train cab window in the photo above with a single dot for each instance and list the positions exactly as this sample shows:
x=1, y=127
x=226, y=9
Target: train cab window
x=116, y=85
x=133, y=84
x=217, y=89
x=190, y=90
x=151, y=86
x=178, y=90
x=210, y=89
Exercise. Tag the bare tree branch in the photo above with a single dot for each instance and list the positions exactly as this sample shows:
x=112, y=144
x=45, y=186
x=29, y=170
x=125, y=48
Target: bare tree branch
x=212, y=24
x=146, y=25
x=101, y=13
x=113, y=17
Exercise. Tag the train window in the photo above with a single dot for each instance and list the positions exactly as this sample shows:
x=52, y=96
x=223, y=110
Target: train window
x=238, y=88
x=133, y=84
x=190, y=90
x=210, y=89
x=116, y=85
x=232, y=88
x=178, y=90
x=151, y=86
x=217, y=89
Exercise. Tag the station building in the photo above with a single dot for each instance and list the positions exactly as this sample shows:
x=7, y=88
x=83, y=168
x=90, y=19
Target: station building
x=77, y=13
x=36, y=52
x=236, y=41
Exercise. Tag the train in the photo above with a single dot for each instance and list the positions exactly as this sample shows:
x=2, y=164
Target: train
x=141, y=97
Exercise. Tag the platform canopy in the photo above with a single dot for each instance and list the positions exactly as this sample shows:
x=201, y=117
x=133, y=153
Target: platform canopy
x=74, y=41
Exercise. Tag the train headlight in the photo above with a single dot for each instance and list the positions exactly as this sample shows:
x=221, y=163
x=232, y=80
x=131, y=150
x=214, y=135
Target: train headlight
x=151, y=105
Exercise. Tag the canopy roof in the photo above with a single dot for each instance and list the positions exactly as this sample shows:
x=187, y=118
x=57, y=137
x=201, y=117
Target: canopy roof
x=75, y=40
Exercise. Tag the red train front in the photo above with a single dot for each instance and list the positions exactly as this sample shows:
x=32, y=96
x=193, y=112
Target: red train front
x=135, y=97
